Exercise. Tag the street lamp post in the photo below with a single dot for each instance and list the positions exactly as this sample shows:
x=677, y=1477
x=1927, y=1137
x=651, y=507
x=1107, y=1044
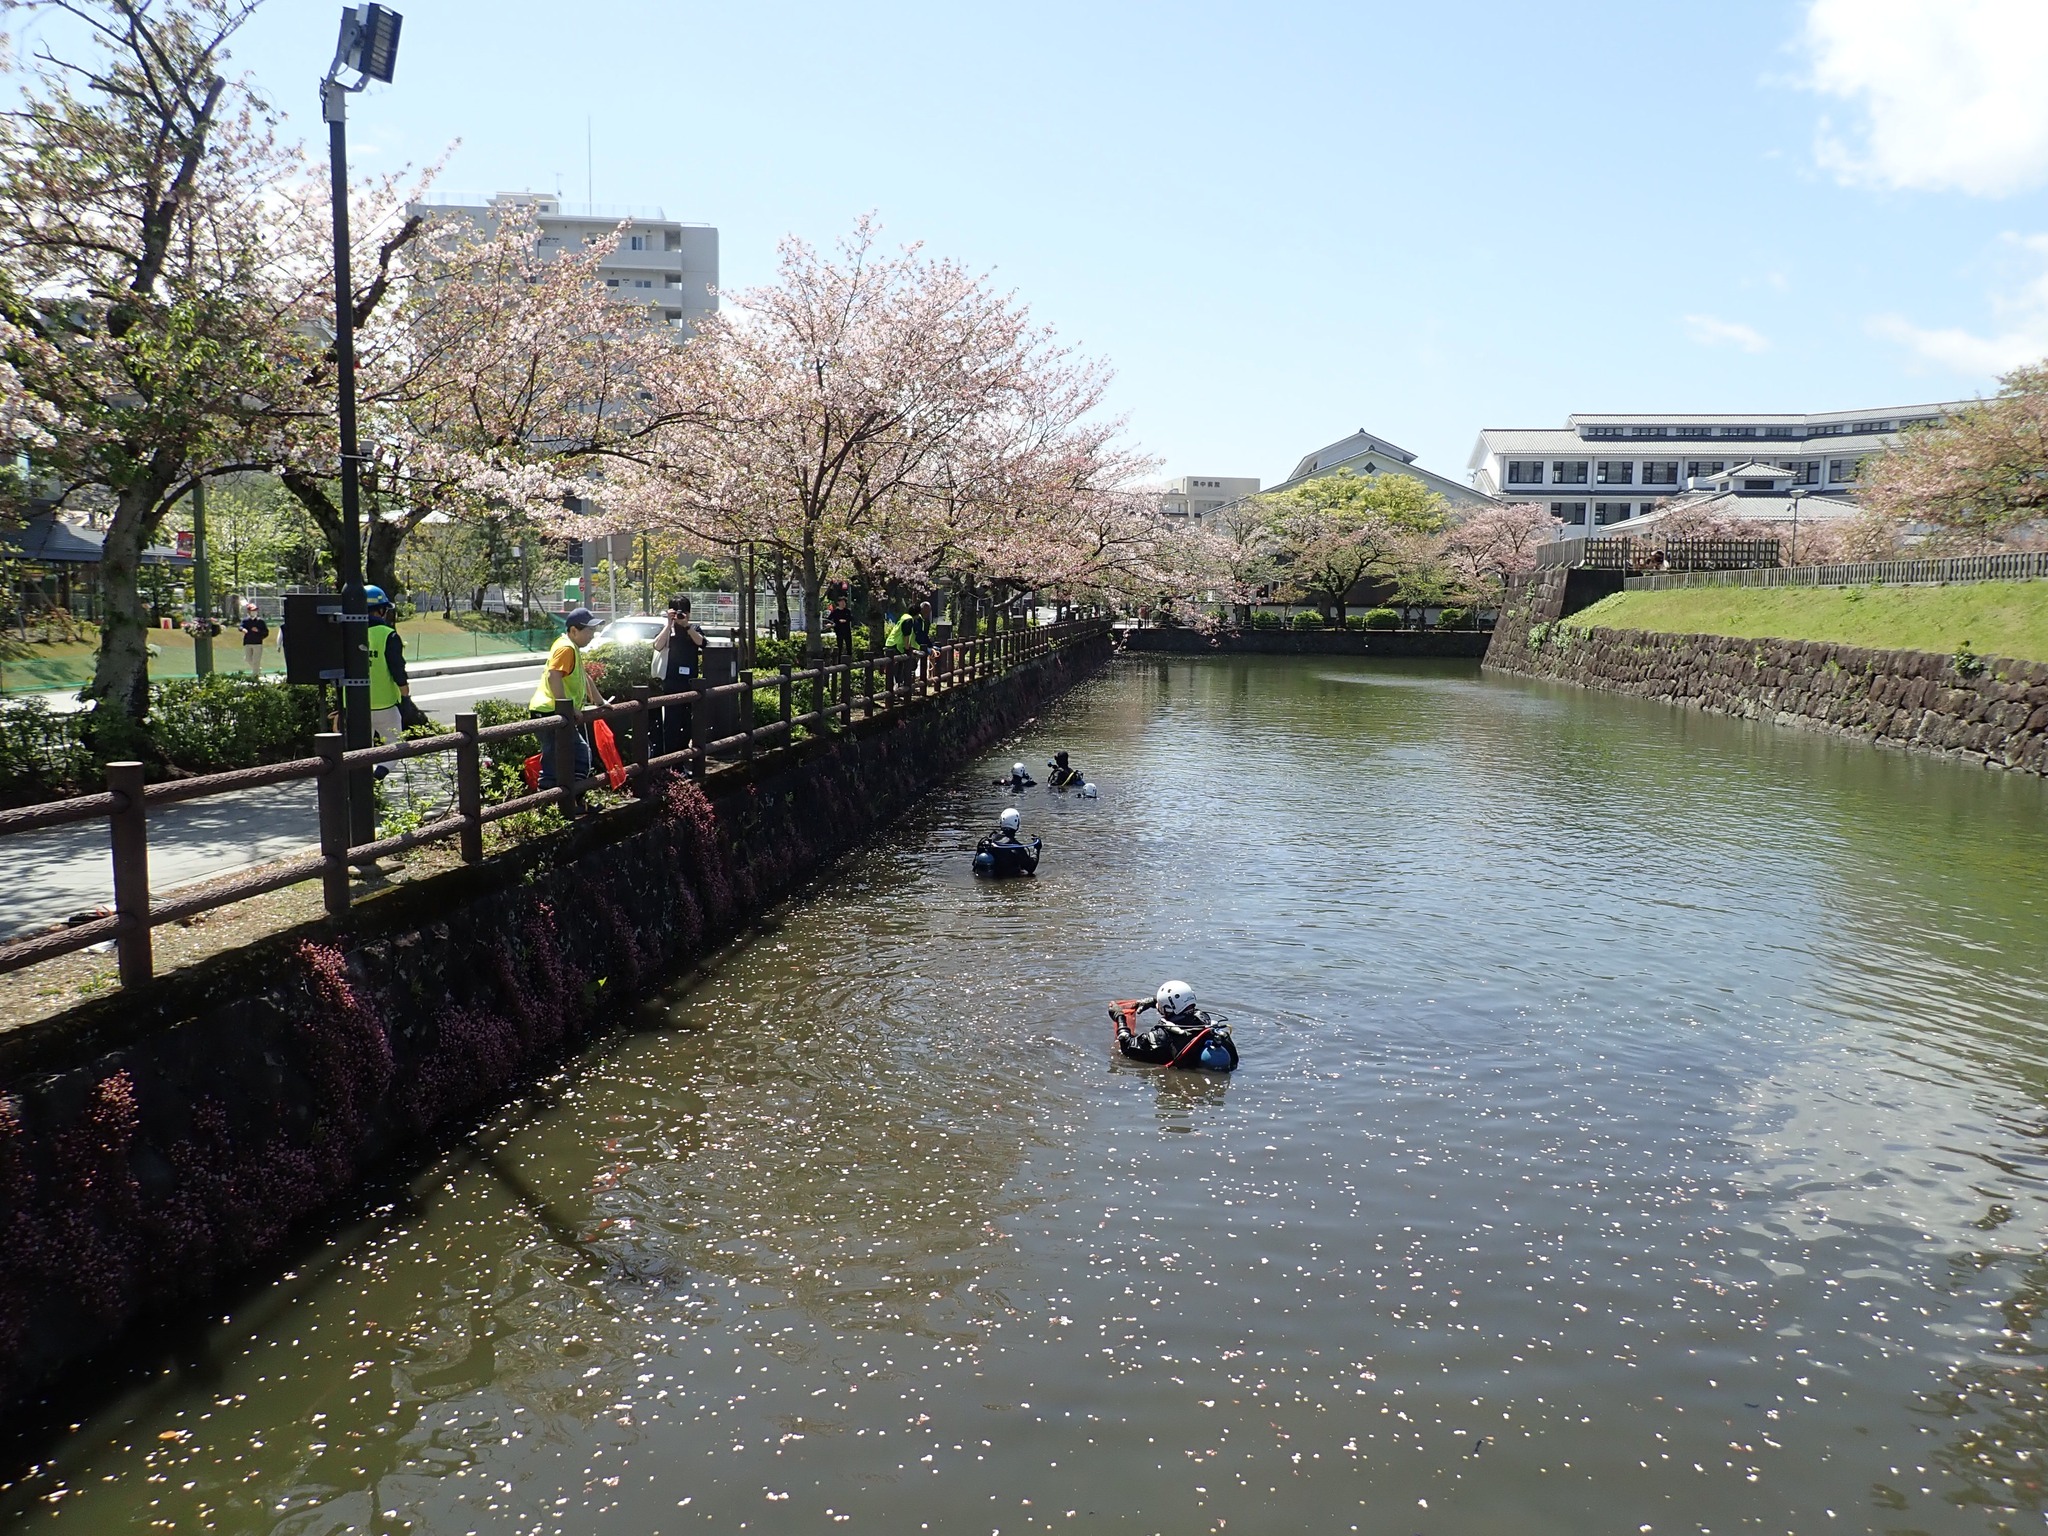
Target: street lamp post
x=368, y=47
x=1796, y=495
x=202, y=586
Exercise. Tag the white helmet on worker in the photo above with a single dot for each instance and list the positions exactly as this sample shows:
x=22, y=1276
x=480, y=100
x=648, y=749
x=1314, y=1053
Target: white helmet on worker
x=1016, y=770
x=1011, y=820
x=1174, y=997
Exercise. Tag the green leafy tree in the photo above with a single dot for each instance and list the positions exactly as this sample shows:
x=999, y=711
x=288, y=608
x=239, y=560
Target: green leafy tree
x=1336, y=530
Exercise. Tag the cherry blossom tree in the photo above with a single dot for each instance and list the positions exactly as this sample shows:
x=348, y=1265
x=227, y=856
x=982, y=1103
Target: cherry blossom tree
x=1498, y=541
x=1981, y=476
x=151, y=315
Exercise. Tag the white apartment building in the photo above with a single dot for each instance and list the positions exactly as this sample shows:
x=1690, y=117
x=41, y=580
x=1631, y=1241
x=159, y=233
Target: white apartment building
x=1196, y=496
x=1599, y=469
x=659, y=260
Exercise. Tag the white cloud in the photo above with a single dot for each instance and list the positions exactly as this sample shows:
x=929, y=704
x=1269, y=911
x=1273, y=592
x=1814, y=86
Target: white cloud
x=2021, y=331
x=1952, y=94
x=1710, y=332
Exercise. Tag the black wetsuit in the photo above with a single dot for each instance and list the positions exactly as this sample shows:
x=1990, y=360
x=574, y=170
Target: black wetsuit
x=1062, y=776
x=1017, y=781
x=1008, y=856
x=1168, y=1042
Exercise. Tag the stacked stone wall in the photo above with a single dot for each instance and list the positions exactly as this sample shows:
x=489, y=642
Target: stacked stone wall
x=1990, y=709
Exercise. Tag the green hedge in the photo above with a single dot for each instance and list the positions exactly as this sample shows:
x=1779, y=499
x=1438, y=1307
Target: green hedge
x=196, y=725
x=1379, y=618
x=1454, y=618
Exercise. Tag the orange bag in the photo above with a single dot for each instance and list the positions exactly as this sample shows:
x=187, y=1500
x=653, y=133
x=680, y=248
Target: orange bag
x=530, y=769
x=608, y=753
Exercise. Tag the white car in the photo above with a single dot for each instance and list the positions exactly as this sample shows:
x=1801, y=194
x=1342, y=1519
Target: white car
x=638, y=629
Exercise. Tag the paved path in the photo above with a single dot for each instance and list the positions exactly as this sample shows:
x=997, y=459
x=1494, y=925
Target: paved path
x=67, y=870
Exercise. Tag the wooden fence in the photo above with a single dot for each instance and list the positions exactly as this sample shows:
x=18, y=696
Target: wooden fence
x=842, y=687
x=1869, y=573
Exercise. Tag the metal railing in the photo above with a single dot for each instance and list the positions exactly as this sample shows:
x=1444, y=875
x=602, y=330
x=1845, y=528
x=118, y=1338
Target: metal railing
x=1870, y=573
x=841, y=688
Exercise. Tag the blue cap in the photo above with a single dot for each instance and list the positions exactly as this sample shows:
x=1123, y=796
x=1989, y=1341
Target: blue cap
x=579, y=618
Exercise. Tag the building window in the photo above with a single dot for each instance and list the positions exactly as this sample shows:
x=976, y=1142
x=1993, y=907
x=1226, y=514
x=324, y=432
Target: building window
x=1809, y=472
x=643, y=282
x=1567, y=471
x=636, y=242
x=672, y=281
x=1525, y=471
x=1605, y=512
x=1569, y=512
x=1700, y=469
x=1602, y=432
x=1738, y=431
x=1842, y=471
x=611, y=282
x=1617, y=472
x=1665, y=473
x=1872, y=426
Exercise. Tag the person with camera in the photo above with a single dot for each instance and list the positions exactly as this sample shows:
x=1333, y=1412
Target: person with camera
x=678, y=656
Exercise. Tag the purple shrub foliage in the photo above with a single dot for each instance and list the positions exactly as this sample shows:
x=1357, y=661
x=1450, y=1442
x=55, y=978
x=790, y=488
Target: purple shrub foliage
x=348, y=1048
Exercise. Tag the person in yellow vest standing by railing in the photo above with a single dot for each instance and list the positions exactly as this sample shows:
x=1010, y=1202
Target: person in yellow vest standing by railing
x=388, y=685
x=565, y=682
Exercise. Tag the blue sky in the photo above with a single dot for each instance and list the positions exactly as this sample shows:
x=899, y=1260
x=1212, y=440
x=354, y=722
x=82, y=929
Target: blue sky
x=1281, y=222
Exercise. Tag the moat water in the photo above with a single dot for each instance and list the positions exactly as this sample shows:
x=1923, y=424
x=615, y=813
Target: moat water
x=1641, y=1129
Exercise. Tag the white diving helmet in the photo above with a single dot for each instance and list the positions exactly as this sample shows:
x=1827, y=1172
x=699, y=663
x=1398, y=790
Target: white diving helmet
x=1010, y=820
x=1174, y=997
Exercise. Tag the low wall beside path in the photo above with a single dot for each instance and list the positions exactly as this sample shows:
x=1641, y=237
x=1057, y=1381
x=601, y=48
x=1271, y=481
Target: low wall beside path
x=156, y=1142
x=1469, y=643
x=1989, y=709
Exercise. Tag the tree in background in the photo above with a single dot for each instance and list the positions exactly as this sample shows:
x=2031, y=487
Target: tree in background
x=1336, y=530
x=250, y=533
x=152, y=288
x=445, y=557
x=1980, y=477
x=1496, y=542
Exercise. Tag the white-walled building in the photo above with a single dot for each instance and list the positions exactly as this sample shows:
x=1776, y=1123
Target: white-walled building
x=1600, y=469
x=659, y=260
x=1196, y=496
x=1366, y=455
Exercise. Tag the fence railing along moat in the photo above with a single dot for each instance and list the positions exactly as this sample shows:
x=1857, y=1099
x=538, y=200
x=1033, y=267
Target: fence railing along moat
x=841, y=688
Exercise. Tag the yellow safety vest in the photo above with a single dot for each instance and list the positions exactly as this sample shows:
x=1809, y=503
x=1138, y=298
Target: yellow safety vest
x=383, y=686
x=573, y=681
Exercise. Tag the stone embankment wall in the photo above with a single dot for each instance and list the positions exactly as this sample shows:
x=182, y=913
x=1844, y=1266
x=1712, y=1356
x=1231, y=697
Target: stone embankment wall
x=155, y=1143
x=1988, y=709
x=1468, y=643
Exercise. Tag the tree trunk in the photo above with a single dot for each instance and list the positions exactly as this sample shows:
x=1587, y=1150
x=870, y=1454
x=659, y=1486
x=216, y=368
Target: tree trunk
x=120, y=674
x=814, y=615
x=380, y=555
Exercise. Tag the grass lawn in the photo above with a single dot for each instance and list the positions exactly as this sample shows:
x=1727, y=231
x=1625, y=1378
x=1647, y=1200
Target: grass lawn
x=429, y=637
x=1997, y=618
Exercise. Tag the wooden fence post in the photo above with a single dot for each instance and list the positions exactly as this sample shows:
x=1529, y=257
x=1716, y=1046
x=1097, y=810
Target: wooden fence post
x=785, y=702
x=469, y=787
x=700, y=725
x=562, y=749
x=333, y=788
x=845, y=692
x=867, y=687
x=747, y=715
x=643, y=738
x=128, y=829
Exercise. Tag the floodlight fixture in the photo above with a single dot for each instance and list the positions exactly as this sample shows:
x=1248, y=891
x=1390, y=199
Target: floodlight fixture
x=368, y=44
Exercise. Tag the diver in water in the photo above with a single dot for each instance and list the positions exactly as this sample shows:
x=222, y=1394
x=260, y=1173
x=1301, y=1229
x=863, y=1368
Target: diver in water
x=1185, y=1036
x=1064, y=775
x=1002, y=853
x=1018, y=779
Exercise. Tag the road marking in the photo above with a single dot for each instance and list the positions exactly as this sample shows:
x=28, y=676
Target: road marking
x=473, y=693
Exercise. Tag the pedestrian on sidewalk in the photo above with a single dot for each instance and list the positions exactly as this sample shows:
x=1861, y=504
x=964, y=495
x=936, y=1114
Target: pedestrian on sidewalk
x=565, y=686
x=254, y=632
x=390, y=692
x=841, y=618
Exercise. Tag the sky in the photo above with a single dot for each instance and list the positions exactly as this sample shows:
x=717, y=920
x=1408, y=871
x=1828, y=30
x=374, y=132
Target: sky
x=1282, y=222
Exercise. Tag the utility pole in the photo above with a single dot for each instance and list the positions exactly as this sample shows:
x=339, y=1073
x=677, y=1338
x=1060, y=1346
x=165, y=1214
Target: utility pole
x=369, y=46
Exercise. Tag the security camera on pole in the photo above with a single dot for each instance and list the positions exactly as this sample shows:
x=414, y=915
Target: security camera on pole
x=368, y=48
